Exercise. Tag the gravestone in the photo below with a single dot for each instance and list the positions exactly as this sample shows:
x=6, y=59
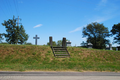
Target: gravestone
x=68, y=43
x=89, y=45
x=118, y=48
x=36, y=39
x=64, y=42
x=110, y=46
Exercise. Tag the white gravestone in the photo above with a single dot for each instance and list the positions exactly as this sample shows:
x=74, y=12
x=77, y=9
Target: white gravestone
x=116, y=49
x=89, y=45
x=68, y=43
x=110, y=46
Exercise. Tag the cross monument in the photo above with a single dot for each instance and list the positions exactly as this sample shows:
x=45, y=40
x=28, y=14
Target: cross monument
x=36, y=39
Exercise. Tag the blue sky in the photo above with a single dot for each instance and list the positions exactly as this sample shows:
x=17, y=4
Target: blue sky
x=60, y=18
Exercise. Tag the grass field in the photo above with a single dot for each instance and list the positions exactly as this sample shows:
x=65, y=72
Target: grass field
x=41, y=58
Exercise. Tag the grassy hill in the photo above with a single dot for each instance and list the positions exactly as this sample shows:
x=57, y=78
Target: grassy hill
x=41, y=58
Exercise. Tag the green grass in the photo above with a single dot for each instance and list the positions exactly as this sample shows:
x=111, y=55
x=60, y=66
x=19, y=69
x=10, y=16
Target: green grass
x=41, y=58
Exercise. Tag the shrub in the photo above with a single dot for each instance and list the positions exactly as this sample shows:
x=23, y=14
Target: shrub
x=28, y=43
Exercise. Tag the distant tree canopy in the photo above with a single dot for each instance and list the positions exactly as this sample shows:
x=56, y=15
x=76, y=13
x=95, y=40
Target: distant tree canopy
x=83, y=44
x=96, y=34
x=59, y=43
x=15, y=34
x=28, y=43
x=116, y=31
x=53, y=43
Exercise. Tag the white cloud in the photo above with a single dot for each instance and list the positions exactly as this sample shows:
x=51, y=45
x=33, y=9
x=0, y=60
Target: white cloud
x=101, y=19
x=107, y=10
x=39, y=25
x=85, y=39
x=77, y=29
x=101, y=5
x=20, y=2
x=103, y=1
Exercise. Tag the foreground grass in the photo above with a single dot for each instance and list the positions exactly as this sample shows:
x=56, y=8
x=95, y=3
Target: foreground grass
x=40, y=58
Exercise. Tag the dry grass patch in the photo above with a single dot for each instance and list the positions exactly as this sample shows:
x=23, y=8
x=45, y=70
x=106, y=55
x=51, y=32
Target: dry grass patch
x=31, y=57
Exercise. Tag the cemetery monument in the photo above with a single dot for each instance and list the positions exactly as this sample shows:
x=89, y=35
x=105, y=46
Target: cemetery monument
x=36, y=39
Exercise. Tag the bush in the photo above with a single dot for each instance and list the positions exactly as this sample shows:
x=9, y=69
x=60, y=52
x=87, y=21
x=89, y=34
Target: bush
x=114, y=48
x=4, y=43
x=28, y=43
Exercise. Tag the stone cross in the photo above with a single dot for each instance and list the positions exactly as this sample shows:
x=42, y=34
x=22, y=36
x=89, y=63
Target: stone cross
x=36, y=39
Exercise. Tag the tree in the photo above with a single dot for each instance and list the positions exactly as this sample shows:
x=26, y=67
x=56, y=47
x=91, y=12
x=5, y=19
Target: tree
x=59, y=43
x=96, y=34
x=83, y=44
x=15, y=34
x=53, y=43
x=116, y=31
x=28, y=43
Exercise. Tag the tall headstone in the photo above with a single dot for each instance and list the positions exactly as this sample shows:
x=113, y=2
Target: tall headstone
x=50, y=41
x=110, y=46
x=36, y=39
x=64, y=42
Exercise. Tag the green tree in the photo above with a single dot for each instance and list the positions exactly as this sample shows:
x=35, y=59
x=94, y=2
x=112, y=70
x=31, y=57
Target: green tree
x=83, y=44
x=53, y=43
x=96, y=34
x=116, y=31
x=59, y=43
x=28, y=43
x=15, y=34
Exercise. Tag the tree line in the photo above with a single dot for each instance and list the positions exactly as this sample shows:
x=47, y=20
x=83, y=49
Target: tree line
x=95, y=33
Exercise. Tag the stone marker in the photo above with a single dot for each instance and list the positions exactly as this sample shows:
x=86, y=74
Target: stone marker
x=50, y=41
x=36, y=39
x=116, y=49
x=64, y=42
x=68, y=43
x=110, y=46
x=89, y=45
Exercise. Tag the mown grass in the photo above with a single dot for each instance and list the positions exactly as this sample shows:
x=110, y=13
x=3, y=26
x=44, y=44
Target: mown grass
x=41, y=58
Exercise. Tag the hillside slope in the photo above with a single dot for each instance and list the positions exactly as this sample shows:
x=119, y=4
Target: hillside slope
x=41, y=58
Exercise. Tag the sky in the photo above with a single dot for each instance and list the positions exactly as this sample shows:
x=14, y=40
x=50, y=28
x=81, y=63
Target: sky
x=60, y=18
